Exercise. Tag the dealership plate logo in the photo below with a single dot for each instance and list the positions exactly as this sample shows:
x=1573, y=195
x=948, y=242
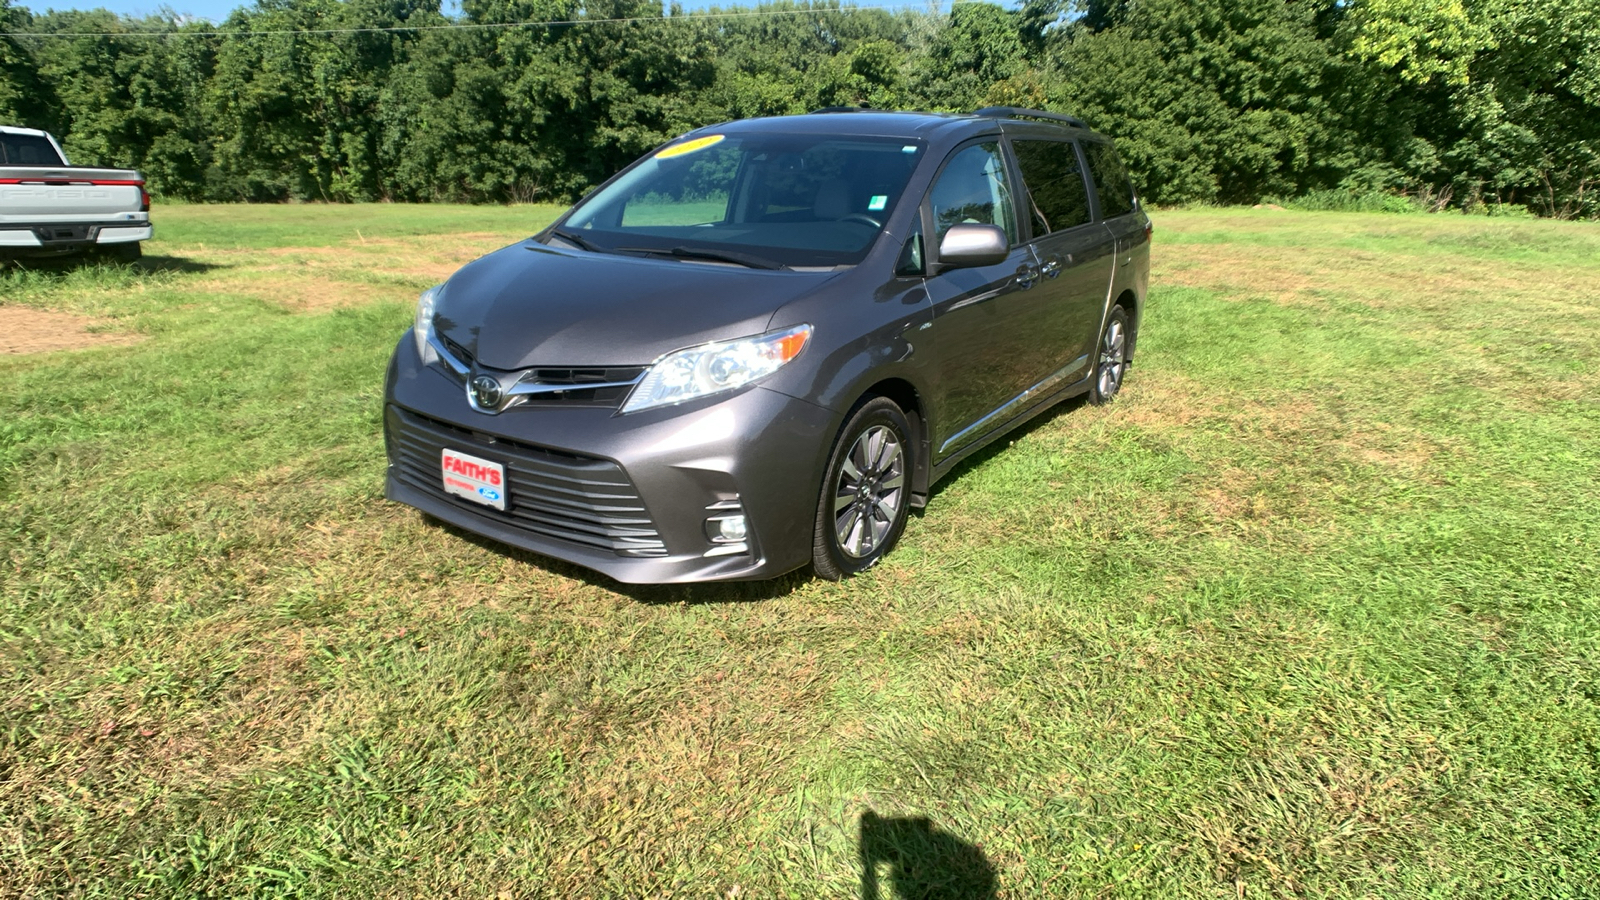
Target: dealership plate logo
x=473, y=478
x=485, y=393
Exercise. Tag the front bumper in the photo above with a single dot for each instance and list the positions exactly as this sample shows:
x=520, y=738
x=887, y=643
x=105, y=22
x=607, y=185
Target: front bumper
x=657, y=476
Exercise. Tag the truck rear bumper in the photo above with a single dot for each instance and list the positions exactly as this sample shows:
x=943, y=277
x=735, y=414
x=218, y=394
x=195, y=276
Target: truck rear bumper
x=68, y=238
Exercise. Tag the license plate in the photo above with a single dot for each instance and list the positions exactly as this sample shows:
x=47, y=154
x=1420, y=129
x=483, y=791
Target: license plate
x=478, y=480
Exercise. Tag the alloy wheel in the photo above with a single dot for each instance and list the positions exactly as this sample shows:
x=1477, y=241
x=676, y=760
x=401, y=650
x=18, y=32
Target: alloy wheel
x=1113, y=359
x=869, y=492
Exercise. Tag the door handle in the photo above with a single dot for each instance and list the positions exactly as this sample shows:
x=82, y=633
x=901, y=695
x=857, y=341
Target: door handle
x=1026, y=276
x=1051, y=267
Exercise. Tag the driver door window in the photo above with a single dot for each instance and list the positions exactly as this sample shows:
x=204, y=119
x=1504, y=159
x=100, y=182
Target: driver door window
x=973, y=189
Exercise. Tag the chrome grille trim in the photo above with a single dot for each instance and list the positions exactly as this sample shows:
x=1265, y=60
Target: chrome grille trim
x=554, y=385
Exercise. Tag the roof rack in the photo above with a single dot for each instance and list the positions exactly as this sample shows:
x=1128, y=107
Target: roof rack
x=1015, y=112
x=839, y=109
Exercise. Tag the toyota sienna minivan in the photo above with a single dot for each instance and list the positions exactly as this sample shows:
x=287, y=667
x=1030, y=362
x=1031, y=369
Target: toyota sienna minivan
x=760, y=346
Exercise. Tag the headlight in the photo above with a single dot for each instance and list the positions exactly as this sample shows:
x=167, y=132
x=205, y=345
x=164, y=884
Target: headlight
x=422, y=329
x=714, y=368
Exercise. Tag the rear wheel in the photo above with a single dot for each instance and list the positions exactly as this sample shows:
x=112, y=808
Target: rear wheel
x=866, y=492
x=1111, y=360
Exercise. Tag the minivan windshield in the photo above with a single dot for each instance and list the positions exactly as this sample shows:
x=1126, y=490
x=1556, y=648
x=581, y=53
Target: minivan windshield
x=764, y=200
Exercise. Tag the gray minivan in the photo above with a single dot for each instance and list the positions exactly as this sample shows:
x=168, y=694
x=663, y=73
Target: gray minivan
x=761, y=345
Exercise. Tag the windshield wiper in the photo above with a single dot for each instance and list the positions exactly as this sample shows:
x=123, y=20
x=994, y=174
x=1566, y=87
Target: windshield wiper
x=581, y=243
x=741, y=259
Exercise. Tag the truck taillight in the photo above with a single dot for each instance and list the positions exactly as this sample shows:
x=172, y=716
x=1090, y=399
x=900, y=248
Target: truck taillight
x=144, y=200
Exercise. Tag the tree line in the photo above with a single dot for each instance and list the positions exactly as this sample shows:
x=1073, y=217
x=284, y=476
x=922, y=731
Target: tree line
x=1481, y=105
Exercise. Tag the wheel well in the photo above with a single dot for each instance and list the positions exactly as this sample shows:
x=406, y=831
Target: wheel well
x=1130, y=304
x=905, y=396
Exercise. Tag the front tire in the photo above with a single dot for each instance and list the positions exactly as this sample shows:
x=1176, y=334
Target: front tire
x=866, y=492
x=1111, y=359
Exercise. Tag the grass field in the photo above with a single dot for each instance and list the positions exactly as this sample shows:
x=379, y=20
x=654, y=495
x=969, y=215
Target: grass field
x=1312, y=610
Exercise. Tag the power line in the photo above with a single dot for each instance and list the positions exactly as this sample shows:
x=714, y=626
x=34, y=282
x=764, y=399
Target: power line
x=460, y=26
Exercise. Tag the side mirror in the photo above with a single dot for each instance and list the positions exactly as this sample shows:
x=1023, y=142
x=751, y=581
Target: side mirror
x=965, y=246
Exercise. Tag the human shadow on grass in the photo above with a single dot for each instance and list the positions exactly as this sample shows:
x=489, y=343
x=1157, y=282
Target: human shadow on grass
x=690, y=594
x=919, y=861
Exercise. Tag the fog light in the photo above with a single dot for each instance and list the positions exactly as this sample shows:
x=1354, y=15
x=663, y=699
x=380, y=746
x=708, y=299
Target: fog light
x=731, y=528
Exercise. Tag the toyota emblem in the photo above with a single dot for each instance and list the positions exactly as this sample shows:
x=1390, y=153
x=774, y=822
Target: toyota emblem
x=486, y=393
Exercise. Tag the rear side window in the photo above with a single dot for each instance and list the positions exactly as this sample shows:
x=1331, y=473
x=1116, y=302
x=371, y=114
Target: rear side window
x=973, y=189
x=1055, y=185
x=1111, y=180
x=28, y=150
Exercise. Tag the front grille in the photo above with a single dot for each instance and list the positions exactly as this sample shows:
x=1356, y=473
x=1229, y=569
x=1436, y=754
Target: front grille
x=622, y=379
x=458, y=351
x=606, y=396
x=573, y=498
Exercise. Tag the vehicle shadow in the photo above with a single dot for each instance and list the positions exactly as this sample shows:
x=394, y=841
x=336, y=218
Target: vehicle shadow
x=920, y=861
x=64, y=265
x=1065, y=407
x=174, y=264
x=654, y=594
x=734, y=591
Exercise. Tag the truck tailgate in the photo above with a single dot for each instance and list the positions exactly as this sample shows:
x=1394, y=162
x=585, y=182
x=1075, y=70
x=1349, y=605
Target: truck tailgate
x=64, y=195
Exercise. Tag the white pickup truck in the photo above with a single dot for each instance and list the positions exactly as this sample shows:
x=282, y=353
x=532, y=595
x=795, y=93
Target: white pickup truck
x=51, y=208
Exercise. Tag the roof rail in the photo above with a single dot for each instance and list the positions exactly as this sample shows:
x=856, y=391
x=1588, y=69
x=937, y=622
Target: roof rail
x=1015, y=112
x=838, y=109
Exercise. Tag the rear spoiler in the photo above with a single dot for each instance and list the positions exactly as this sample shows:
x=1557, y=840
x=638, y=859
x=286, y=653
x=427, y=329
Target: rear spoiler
x=103, y=182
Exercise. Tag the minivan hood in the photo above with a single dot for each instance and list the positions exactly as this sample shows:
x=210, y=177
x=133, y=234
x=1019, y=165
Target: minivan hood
x=532, y=305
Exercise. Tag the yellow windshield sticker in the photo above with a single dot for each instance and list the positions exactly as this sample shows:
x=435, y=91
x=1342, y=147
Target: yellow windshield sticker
x=689, y=146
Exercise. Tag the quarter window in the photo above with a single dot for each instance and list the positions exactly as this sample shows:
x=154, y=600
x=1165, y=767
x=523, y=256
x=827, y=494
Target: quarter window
x=973, y=189
x=1050, y=171
x=911, y=263
x=1111, y=181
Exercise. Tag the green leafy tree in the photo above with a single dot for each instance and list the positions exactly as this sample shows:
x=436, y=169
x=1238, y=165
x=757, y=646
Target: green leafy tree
x=1211, y=100
x=1480, y=103
x=1499, y=100
x=296, y=113
x=871, y=73
x=24, y=98
x=128, y=93
x=610, y=91
x=1421, y=40
x=790, y=57
x=981, y=46
x=526, y=113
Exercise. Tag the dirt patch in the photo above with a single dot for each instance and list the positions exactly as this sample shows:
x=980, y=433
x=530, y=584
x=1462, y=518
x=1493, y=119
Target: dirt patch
x=24, y=330
x=306, y=293
x=316, y=279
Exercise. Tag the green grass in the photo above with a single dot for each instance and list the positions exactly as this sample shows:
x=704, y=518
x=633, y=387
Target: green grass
x=1312, y=610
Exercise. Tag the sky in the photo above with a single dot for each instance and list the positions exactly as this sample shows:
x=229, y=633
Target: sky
x=217, y=10
x=207, y=9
